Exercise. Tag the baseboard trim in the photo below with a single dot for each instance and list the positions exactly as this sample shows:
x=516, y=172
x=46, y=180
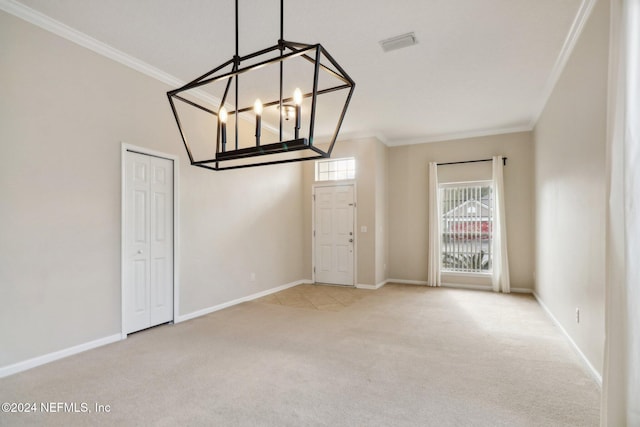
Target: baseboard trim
x=594, y=373
x=237, y=301
x=485, y=288
x=372, y=287
x=460, y=286
x=522, y=291
x=407, y=282
x=56, y=355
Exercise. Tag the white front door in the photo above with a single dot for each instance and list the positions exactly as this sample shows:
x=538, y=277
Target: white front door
x=334, y=207
x=148, y=216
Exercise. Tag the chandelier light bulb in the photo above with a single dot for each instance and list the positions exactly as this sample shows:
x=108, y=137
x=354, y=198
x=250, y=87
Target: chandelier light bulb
x=222, y=114
x=297, y=96
x=257, y=107
x=222, y=117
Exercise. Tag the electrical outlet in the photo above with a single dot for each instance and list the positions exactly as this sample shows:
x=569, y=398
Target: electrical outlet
x=577, y=315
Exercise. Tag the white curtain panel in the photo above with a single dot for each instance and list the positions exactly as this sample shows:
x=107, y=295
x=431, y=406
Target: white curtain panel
x=621, y=379
x=500, y=275
x=434, y=264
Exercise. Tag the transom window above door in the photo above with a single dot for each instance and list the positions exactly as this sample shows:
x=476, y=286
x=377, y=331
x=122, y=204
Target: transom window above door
x=336, y=169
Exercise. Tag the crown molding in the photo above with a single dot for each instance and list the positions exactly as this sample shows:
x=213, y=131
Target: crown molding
x=58, y=28
x=47, y=23
x=352, y=136
x=458, y=135
x=584, y=12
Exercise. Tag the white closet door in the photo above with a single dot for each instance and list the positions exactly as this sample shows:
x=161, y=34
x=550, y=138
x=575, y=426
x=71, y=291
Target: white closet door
x=149, y=242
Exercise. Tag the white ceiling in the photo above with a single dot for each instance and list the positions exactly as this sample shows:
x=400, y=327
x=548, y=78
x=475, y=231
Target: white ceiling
x=480, y=66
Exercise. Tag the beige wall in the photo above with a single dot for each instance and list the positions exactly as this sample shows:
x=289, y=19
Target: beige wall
x=64, y=111
x=408, y=201
x=570, y=191
x=382, y=210
x=369, y=154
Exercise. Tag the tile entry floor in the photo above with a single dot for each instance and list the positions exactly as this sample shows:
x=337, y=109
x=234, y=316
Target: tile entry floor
x=317, y=297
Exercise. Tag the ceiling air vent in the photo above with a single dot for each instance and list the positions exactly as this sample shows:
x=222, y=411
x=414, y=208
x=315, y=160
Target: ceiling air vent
x=398, y=42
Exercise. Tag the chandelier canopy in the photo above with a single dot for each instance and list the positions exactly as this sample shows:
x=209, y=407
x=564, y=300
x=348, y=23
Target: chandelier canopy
x=263, y=108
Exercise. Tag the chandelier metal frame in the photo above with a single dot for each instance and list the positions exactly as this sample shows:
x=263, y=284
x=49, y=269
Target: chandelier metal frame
x=313, y=53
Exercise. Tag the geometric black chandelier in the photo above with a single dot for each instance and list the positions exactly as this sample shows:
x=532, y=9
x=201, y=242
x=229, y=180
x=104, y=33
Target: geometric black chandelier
x=263, y=108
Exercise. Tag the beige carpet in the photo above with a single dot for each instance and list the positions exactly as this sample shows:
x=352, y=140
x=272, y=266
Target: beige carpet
x=328, y=298
x=398, y=356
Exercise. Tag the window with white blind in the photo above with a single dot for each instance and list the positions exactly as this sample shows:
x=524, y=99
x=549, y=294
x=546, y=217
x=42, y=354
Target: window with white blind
x=335, y=169
x=467, y=224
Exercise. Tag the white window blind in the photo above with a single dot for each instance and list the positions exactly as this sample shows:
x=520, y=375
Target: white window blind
x=467, y=224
